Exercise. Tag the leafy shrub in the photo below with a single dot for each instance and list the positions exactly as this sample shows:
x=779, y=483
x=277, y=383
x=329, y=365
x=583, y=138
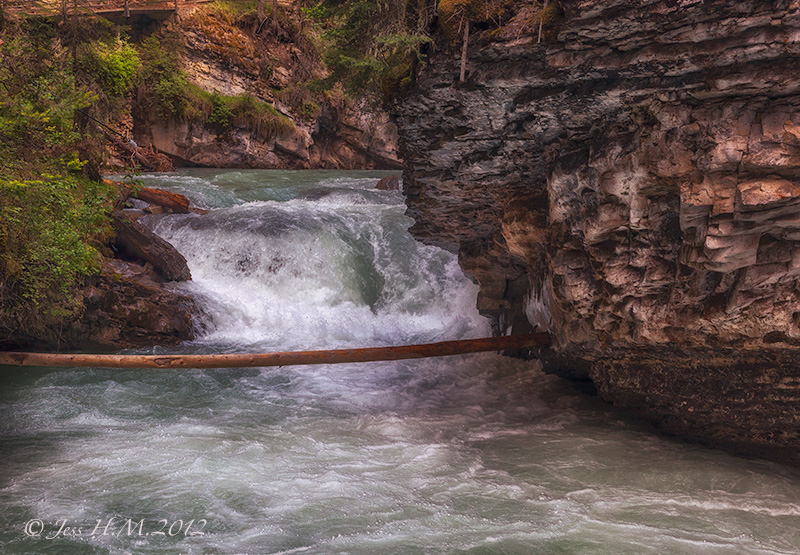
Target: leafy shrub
x=163, y=85
x=52, y=220
x=171, y=95
x=38, y=107
x=113, y=64
x=259, y=116
x=310, y=110
x=231, y=11
x=246, y=111
x=221, y=115
x=50, y=232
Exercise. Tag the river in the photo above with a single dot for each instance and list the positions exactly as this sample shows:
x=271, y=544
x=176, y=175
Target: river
x=475, y=454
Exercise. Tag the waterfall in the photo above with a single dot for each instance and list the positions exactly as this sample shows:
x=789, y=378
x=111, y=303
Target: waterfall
x=324, y=266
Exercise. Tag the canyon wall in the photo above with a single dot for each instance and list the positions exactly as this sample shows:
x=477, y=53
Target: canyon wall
x=632, y=186
x=231, y=58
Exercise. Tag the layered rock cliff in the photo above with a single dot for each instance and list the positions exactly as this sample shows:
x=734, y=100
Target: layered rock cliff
x=237, y=56
x=633, y=187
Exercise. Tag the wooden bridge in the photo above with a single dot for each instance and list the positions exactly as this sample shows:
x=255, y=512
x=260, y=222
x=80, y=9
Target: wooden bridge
x=104, y=7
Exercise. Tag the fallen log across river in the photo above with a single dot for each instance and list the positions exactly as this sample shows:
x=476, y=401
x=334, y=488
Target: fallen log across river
x=247, y=360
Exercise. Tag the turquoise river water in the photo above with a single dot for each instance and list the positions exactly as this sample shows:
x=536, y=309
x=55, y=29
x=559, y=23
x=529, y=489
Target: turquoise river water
x=475, y=454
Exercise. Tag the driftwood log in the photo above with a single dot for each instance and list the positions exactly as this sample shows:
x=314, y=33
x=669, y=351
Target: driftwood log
x=371, y=354
x=169, y=201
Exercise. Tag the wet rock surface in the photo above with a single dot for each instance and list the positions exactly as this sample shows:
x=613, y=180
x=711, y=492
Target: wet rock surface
x=130, y=303
x=634, y=188
x=138, y=242
x=388, y=183
x=128, y=306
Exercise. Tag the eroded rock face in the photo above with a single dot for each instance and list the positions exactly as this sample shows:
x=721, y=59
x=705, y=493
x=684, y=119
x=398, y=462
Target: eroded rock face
x=128, y=306
x=633, y=188
x=136, y=241
x=229, y=60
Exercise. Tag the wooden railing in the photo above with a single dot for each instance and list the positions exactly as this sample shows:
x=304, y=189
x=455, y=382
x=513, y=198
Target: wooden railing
x=54, y=7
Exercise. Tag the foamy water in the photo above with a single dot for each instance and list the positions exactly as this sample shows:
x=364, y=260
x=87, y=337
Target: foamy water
x=467, y=454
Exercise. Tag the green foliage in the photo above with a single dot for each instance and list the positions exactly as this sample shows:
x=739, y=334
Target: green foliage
x=82, y=29
x=358, y=74
x=310, y=110
x=404, y=43
x=397, y=76
x=405, y=54
x=368, y=45
x=454, y=14
x=52, y=219
x=50, y=231
x=40, y=120
x=547, y=16
x=259, y=116
x=113, y=64
x=163, y=85
x=171, y=95
x=244, y=111
x=37, y=111
x=232, y=11
x=348, y=30
x=221, y=115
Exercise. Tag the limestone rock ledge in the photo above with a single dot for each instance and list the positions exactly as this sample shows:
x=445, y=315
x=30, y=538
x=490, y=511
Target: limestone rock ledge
x=231, y=60
x=633, y=188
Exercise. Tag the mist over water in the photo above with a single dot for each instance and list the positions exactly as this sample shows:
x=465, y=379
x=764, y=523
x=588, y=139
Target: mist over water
x=467, y=454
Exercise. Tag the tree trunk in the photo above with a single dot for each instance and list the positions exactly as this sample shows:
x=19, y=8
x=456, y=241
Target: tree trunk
x=127, y=10
x=541, y=21
x=445, y=348
x=275, y=14
x=260, y=10
x=464, y=52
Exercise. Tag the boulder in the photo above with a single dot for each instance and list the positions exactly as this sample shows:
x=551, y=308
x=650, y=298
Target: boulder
x=389, y=183
x=139, y=243
x=128, y=306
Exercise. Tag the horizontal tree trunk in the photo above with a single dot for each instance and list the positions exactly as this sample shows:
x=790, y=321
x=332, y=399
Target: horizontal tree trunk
x=370, y=354
x=170, y=201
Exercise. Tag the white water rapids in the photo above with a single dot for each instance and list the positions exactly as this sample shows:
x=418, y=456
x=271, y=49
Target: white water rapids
x=475, y=454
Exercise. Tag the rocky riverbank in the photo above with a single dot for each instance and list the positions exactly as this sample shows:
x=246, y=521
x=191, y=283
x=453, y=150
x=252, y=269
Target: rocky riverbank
x=632, y=187
x=130, y=302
